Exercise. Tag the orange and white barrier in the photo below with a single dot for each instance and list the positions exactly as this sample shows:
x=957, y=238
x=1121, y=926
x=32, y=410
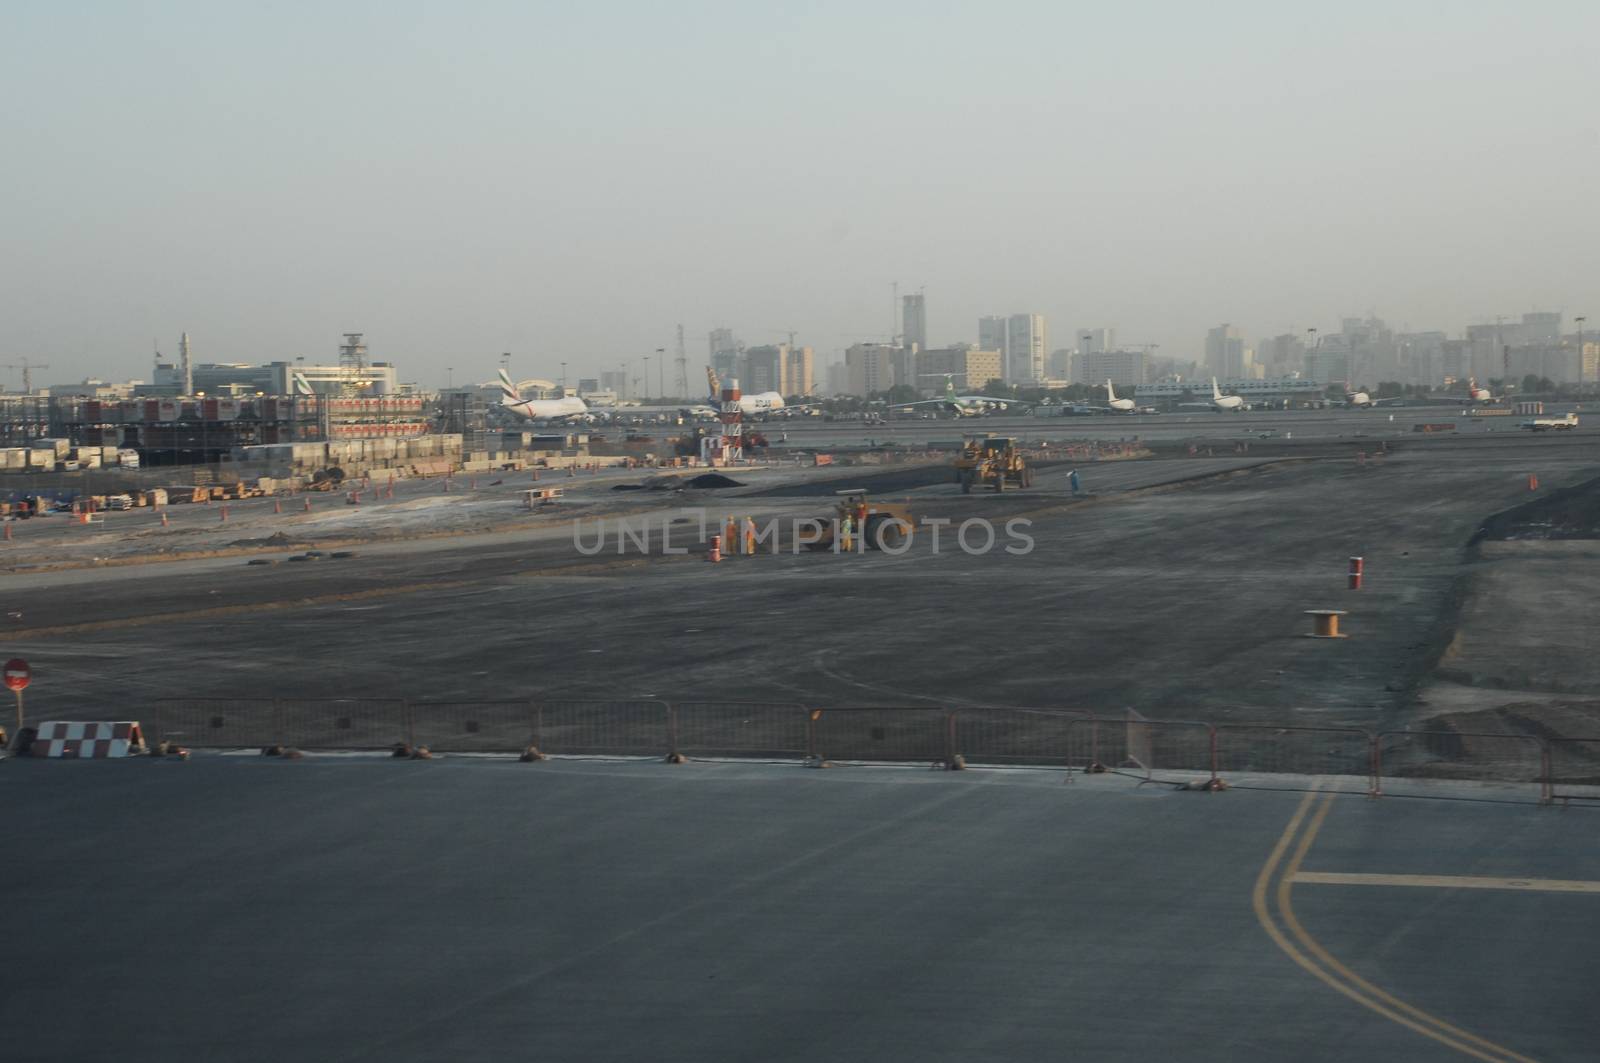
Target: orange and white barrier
x=83, y=741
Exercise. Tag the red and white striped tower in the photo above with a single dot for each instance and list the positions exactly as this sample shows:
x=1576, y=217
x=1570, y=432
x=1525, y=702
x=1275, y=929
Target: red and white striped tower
x=732, y=418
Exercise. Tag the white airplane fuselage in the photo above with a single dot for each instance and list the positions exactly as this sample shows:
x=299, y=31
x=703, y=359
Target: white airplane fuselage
x=543, y=409
x=1119, y=405
x=761, y=402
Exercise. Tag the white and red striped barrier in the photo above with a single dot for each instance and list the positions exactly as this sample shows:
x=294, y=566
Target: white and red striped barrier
x=84, y=741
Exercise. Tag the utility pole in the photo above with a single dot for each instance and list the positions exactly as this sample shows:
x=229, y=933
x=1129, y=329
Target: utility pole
x=661, y=368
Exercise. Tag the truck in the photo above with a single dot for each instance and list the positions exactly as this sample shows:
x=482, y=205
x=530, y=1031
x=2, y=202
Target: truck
x=1549, y=424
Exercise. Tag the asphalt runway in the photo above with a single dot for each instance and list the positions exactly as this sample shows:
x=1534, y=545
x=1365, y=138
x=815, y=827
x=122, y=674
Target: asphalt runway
x=1177, y=586
x=365, y=909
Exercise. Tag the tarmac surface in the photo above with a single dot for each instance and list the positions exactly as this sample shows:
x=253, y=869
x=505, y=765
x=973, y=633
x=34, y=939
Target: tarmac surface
x=1176, y=585
x=353, y=908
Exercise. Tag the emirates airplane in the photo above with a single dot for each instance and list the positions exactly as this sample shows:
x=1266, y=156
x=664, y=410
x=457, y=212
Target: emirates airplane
x=538, y=409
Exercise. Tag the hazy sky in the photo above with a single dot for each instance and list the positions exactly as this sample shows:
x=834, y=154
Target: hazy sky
x=571, y=181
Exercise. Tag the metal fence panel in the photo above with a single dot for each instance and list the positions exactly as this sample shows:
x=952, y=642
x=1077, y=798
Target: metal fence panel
x=1014, y=736
x=213, y=723
x=343, y=723
x=1574, y=769
x=740, y=728
x=1337, y=758
x=474, y=726
x=610, y=728
x=883, y=734
x=1426, y=762
x=1142, y=746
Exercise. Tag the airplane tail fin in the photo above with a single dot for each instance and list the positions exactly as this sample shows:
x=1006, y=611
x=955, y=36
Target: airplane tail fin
x=949, y=386
x=715, y=385
x=1216, y=392
x=1111, y=395
x=508, y=390
x=302, y=386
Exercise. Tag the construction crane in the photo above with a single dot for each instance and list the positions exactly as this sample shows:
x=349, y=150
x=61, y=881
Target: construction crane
x=791, y=333
x=27, y=368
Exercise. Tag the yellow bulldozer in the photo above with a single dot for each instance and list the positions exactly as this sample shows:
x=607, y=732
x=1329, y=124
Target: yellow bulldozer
x=993, y=462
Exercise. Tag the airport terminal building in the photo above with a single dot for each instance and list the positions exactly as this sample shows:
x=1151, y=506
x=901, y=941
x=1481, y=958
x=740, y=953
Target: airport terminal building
x=1252, y=391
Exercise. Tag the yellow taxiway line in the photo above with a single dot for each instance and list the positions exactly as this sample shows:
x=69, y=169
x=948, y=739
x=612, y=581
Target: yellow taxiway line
x=1272, y=901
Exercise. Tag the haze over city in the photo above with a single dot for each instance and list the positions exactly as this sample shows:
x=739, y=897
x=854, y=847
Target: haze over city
x=569, y=185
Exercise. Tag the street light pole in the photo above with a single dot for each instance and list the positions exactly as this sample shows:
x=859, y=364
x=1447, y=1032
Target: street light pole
x=563, y=379
x=661, y=368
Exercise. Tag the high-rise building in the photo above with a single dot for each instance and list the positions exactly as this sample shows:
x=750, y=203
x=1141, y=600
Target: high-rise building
x=798, y=378
x=1025, y=346
x=869, y=367
x=968, y=367
x=764, y=368
x=1062, y=364
x=992, y=334
x=1225, y=352
x=1329, y=362
x=914, y=321
x=1486, y=350
x=1122, y=368
x=836, y=379
x=1422, y=357
x=1095, y=340
x=1542, y=327
x=1022, y=340
x=1281, y=356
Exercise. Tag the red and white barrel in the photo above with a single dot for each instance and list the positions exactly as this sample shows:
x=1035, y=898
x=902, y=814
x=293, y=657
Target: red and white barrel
x=1356, y=565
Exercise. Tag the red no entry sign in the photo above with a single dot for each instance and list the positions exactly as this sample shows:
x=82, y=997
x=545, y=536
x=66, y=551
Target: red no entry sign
x=17, y=673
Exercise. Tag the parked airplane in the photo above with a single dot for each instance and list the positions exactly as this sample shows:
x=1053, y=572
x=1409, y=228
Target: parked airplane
x=538, y=409
x=1219, y=402
x=1119, y=405
x=760, y=402
x=1477, y=394
x=1360, y=400
x=960, y=405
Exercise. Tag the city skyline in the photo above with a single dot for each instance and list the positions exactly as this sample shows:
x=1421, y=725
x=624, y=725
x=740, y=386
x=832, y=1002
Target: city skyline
x=570, y=185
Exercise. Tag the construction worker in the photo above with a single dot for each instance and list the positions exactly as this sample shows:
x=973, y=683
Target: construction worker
x=1072, y=478
x=846, y=525
x=861, y=519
